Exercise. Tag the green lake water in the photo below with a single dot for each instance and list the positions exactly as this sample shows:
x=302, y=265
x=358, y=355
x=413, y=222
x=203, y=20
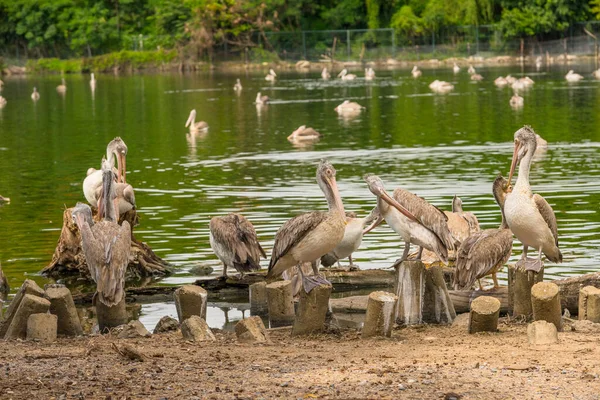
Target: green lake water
x=434, y=145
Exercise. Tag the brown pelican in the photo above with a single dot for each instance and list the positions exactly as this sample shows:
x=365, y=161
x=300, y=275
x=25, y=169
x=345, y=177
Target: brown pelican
x=573, y=77
x=2, y=102
x=352, y=239
x=35, y=96
x=529, y=215
x=471, y=70
x=4, y=287
x=485, y=252
x=369, y=74
x=238, y=85
x=476, y=77
x=345, y=76
x=308, y=237
x=456, y=68
x=262, y=100
x=195, y=126
x=416, y=72
x=325, y=75
x=62, y=88
x=106, y=245
x=441, y=86
x=271, y=76
x=417, y=221
x=304, y=134
x=516, y=101
x=349, y=107
x=234, y=241
x=500, y=81
x=92, y=82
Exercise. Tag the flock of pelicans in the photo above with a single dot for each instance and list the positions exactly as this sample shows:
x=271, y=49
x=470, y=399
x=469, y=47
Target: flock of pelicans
x=324, y=237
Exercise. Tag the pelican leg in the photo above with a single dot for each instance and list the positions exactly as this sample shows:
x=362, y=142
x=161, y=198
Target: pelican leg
x=339, y=265
x=495, y=279
x=353, y=267
x=404, y=255
x=536, y=264
x=480, y=285
x=311, y=282
x=420, y=253
x=523, y=257
x=224, y=274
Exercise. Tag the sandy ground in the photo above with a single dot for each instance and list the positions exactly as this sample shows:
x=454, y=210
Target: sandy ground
x=428, y=362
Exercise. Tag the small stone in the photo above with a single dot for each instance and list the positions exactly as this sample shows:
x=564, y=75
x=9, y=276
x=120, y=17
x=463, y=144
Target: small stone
x=134, y=329
x=251, y=330
x=166, y=324
x=401, y=387
x=196, y=329
x=585, y=325
x=542, y=332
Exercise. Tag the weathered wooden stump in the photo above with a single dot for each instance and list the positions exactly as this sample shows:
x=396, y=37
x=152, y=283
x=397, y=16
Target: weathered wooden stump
x=190, y=300
x=111, y=317
x=312, y=310
x=42, y=327
x=589, y=304
x=381, y=315
x=484, y=314
x=280, y=303
x=259, y=303
x=62, y=305
x=29, y=305
x=520, y=283
x=545, y=300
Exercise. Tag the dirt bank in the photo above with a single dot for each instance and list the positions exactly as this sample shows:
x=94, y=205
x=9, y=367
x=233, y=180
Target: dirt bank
x=424, y=362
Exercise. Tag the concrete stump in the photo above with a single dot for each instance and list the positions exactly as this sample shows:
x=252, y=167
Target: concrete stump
x=259, y=303
x=196, y=329
x=542, y=332
x=312, y=310
x=62, y=305
x=589, y=304
x=28, y=287
x=484, y=314
x=381, y=315
x=166, y=324
x=545, y=300
x=520, y=283
x=29, y=304
x=190, y=300
x=410, y=285
x=42, y=327
x=111, y=317
x=251, y=330
x=280, y=303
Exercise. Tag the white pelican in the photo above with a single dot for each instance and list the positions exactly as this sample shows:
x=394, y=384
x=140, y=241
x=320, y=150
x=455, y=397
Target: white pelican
x=261, y=99
x=92, y=82
x=325, y=75
x=238, y=85
x=529, y=215
x=35, y=96
x=369, y=74
x=345, y=76
x=538, y=62
x=456, y=68
x=2, y=102
x=441, y=86
x=350, y=107
x=516, y=101
x=416, y=72
x=510, y=79
x=471, y=70
x=195, y=126
x=596, y=74
x=573, y=77
x=62, y=88
x=303, y=134
x=476, y=77
x=271, y=76
x=234, y=241
x=500, y=81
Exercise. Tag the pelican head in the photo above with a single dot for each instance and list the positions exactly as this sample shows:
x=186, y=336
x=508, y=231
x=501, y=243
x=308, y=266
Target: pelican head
x=271, y=72
x=82, y=213
x=378, y=189
x=500, y=188
x=328, y=184
x=457, y=204
x=343, y=73
x=525, y=143
x=191, y=118
x=117, y=146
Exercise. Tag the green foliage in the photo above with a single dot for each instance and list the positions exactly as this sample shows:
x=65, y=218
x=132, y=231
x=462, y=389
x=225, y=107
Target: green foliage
x=407, y=23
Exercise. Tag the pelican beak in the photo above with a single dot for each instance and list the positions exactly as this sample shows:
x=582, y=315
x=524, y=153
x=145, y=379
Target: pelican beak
x=374, y=224
x=189, y=121
x=122, y=170
x=100, y=207
x=392, y=202
x=514, y=161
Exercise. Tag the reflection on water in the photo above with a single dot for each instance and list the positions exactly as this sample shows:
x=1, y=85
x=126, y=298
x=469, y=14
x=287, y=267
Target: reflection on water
x=434, y=145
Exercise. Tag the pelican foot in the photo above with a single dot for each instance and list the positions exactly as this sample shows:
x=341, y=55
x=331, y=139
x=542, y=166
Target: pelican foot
x=534, y=265
x=312, y=281
x=353, y=267
x=522, y=263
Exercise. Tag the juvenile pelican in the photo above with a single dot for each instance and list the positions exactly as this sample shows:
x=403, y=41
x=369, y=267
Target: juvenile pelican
x=349, y=107
x=195, y=126
x=35, y=96
x=516, y=101
x=345, y=76
x=529, y=216
x=304, y=134
x=92, y=82
x=238, y=85
x=471, y=70
x=416, y=72
x=234, y=241
x=106, y=245
x=2, y=102
x=417, y=221
x=369, y=74
x=62, y=88
x=456, y=68
x=271, y=76
x=573, y=77
x=92, y=184
x=262, y=100
x=308, y=237
x=485, y=252
x=325, y=75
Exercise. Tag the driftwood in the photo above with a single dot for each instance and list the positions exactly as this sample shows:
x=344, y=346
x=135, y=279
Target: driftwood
x=68, y=259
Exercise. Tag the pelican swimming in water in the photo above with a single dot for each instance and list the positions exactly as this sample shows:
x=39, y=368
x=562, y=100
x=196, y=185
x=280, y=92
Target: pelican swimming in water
x=238, y=85
x=573, y=77
x=485, y=252
x=106, y=245
x=345, y=76
x=516, y=101
x=195, y=126
x=271, y=76
x=529, y=216
x=471, y=70
x=538, y=62
x=349, y=107
x=456, y=68
x=476, y=77
x=500, y=81
x=441, y=86
x=262, y=100
x=414, y=219
x=234, y=241
x=4, y=199
x=92, y=82
x=35, y=96
x=369, y=74
x=304, y=134
x=3, y=102
x=416, y=72
x=307, y=237
x=325, y=75
x=62, y=88
x=596, y=73
x=352, y=239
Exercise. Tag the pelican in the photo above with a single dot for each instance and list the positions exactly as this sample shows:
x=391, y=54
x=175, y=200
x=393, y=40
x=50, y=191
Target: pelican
x=35, y=96
x=456, y=68
x=596, y=74
x=471, y=70
x=573, y=77
x=2, y=102
x=417, y=221
x=369, y=74
x=325, y=75
x=4, y=287
x=441, y=86
x=538, y=62
x=541, y=142
x=195, y=126
x=529, y=216
x=416, y=72
x=4, y=199
x=348, y=107
x=500, y=81
x=304, y=134
x=62, y=88
x=485, y=252
x=271, y=76
x=510, y=79
x=352, y=239
x=238, y=85
x=262, y=100
x=92, y=82
x=469, y=217
x=476, y=77
x=516, y=101
x=234, y=241
x=345, y=76
x=308, y=237
x=106, y=245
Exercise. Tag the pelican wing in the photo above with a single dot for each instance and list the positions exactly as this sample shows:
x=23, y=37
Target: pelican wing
x=292, y=232
x=428, y=215
x=237, y=236
x=479, y=254
x=111, y=264
x=548, y=214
